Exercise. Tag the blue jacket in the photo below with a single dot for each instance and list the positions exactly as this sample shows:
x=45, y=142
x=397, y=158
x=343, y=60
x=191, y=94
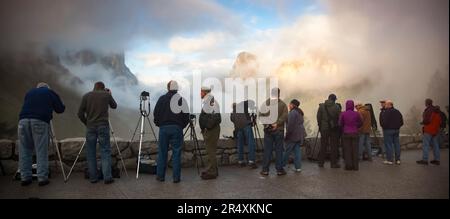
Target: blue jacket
x=40, y=103
x=163, y=114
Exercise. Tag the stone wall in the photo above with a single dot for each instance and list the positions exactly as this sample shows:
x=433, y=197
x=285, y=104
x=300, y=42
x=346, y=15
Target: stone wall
x=226, y=152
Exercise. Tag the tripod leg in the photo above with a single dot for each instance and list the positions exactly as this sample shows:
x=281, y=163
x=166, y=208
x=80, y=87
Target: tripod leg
x=255, y=136
x=53, y=139
x=197, y=146
x=153, y=131
x=76, y=159
x=380, y=149
x=140, y=147
x=135, y=130
x=193, y=151
x=118, y=149
x=315, y=144
x=260, y=138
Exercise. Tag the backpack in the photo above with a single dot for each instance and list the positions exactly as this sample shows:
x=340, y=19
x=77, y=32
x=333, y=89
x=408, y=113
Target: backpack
x=434, y=126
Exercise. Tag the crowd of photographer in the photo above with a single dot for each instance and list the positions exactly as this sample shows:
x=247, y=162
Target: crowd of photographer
x=284, y=131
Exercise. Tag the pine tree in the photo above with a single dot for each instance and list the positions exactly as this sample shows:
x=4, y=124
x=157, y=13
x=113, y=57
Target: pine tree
x=412, y=121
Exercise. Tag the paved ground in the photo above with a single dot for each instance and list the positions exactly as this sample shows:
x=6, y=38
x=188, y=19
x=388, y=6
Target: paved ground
x=374, y=180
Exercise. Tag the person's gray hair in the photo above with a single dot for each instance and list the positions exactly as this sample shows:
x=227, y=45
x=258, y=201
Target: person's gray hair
x=42, y=84
x=172, y=86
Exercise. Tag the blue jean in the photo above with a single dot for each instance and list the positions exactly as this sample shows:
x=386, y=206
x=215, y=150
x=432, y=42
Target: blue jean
x=427, y=139
x=101, y=133
x=271, y=140
x=33, y=134
x=242, y=134
x=173, y=135
x=392, y=143
x=364, y=143
x=293, y=147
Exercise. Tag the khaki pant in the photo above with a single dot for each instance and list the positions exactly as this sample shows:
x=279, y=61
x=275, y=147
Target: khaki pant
x=211, y=137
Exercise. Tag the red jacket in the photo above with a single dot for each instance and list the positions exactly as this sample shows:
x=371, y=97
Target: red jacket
x=434, y=124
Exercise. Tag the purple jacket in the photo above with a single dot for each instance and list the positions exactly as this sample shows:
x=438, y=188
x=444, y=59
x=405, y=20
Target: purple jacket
x=350, y=120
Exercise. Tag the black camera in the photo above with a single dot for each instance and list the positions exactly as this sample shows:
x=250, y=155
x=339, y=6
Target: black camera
x=191, y=116
x=144, y=95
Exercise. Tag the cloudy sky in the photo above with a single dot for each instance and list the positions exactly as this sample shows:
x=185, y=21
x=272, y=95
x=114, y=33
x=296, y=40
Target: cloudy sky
x=214, y=41
x=377, y=49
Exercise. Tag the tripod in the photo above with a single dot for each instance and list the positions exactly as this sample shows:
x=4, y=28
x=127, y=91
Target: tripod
x=82, y=147
x=380, y=148
x=145, y=112
x=193, y=137
x=53, y=141
x=256, y=133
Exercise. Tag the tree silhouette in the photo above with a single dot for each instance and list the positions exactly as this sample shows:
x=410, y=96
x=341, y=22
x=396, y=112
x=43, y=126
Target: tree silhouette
x=412, y=121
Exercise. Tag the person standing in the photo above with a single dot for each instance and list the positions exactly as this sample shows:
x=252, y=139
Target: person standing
x=93, y=113
x=391, y=120
x=350, y=121
x=431, y=120
x=243, y=128
x=364, y=132
x=171, y=115
x=442, y=134
x=34, y=131
x=327, y=120
x=382, y=148
x=273, y=115
x=295, y=134
x=209, y=121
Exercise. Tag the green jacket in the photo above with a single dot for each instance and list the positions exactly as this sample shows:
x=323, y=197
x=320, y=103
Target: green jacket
x=281, y=117
x=210, y=116
x=334, y=111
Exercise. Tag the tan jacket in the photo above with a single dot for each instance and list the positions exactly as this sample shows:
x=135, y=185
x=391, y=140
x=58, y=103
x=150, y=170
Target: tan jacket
x=367, y=121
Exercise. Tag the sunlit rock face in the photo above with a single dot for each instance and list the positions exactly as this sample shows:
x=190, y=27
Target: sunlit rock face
x=113, y=63
x=70, y=74
x=246, y=65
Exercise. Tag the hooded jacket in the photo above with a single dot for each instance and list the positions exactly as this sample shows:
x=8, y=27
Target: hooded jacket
x=350, y=120
x=295, y=130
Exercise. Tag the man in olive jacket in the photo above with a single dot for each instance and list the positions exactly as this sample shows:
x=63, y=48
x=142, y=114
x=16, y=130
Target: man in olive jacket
x=327, y=119
x=273, y=116
x=209, y=121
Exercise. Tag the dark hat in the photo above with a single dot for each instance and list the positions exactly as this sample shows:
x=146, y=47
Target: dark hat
x=295, y=102
x=332, y=97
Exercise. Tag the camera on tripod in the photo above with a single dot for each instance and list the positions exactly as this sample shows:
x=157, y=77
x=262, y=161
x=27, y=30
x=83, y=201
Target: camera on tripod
x=145, y=95
x=192, y=116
